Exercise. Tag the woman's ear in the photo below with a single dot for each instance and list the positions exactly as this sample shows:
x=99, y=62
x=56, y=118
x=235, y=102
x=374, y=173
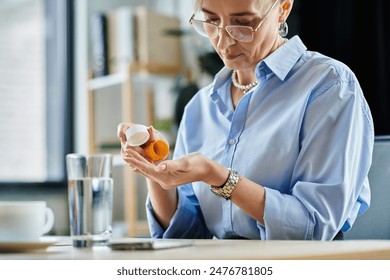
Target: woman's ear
x=286, y=7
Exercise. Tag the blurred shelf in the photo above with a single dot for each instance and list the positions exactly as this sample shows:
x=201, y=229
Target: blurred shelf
x=107, y=81
x=140, y=68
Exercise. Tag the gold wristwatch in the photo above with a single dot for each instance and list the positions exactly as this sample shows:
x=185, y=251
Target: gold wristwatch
x=226, y=189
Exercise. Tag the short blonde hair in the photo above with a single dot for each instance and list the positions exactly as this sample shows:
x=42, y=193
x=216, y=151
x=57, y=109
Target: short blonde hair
x=198, y=4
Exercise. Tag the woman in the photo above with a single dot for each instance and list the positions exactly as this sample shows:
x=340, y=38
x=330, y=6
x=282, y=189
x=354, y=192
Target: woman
x=283, y=138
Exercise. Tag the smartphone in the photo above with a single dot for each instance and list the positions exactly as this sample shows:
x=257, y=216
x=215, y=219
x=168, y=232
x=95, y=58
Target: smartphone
x=148, y=244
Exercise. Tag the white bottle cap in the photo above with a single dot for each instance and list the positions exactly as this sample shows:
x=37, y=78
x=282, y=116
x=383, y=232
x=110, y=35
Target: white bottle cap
x=137, y=135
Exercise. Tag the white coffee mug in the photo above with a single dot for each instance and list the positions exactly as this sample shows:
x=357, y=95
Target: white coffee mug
x=24, y=221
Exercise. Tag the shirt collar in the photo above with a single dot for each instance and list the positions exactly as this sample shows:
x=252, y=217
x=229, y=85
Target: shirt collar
x=280, y=62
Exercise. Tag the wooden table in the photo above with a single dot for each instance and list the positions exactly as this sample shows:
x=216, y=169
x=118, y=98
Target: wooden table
x=221, y=250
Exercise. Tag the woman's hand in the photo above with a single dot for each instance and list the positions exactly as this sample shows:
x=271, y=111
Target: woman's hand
x=153, y=135
x=173, y=173
x=121, y=133
x=170, y=173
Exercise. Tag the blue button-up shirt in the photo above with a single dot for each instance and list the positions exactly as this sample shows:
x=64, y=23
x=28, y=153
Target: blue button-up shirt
x=305, y=133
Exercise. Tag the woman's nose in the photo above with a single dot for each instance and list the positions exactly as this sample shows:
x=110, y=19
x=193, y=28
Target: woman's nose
x=224, y=39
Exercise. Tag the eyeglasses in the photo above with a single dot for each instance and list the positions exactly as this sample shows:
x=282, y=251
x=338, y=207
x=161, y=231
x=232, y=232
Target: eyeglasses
x=239, y=33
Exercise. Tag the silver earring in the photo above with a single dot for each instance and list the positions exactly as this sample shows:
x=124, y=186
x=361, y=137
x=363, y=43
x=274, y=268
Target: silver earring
x=283, y=29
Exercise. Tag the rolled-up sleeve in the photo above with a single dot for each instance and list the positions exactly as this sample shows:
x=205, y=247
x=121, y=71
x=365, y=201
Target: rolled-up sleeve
x=187, y=222
x=329, y=182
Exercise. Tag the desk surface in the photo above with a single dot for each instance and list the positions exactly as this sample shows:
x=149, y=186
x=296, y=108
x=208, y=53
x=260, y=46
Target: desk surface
x=221, y=249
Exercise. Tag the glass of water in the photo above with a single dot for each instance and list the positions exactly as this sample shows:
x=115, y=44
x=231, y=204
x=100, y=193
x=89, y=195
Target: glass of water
x=90, y=189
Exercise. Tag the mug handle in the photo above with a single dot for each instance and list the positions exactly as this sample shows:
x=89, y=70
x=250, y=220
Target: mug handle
x=49, y=220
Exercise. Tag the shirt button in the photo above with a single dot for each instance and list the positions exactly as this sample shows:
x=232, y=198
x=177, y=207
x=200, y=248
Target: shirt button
x=232, y=141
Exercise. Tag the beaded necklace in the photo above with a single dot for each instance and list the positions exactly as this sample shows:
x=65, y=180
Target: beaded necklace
x=245, y=88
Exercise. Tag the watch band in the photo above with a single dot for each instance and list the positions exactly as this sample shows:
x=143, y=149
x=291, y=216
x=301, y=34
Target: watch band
x=226, y=190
